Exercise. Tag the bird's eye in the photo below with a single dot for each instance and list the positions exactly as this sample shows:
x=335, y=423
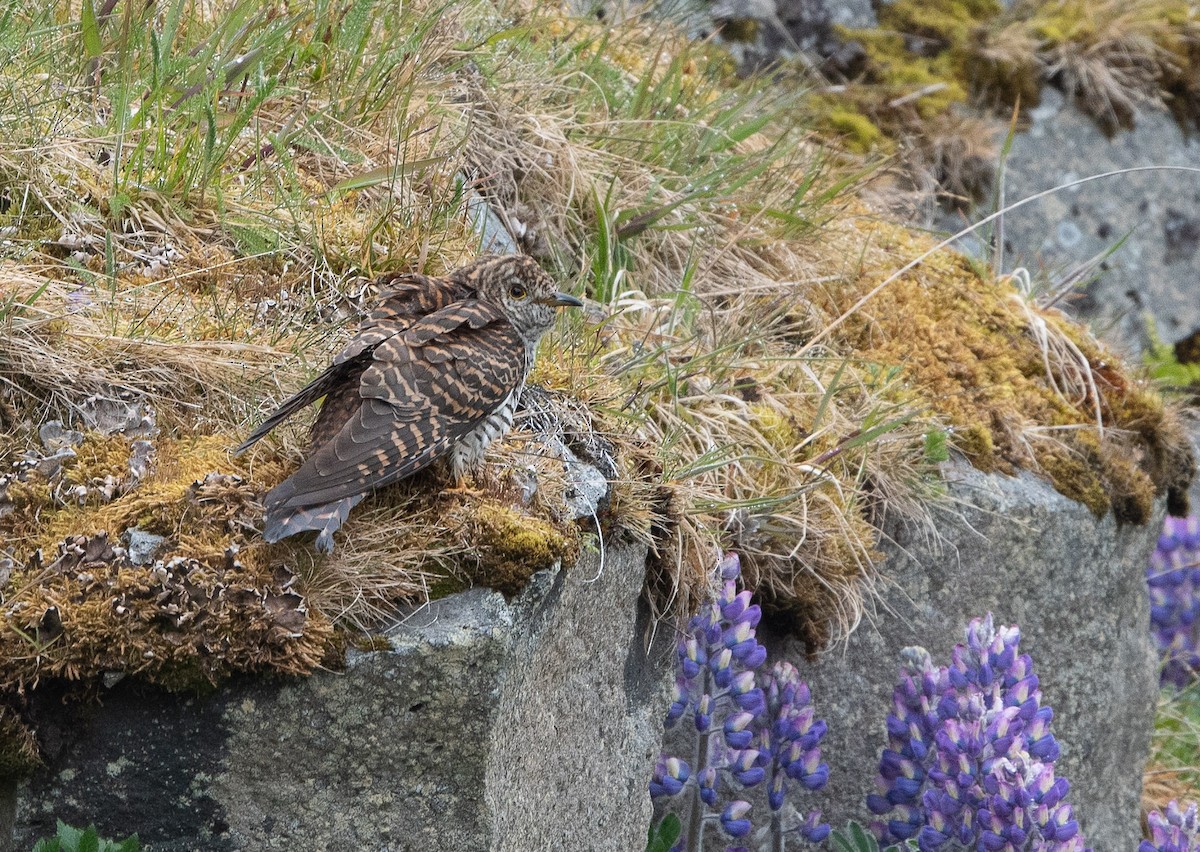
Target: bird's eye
x=517, y=291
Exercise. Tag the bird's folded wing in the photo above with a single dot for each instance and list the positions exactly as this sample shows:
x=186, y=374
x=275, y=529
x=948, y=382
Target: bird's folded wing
x=408, y=298
x=425, y=388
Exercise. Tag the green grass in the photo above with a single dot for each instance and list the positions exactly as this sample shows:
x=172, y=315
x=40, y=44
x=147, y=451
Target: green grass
x=1174, y=770
x=279, y=159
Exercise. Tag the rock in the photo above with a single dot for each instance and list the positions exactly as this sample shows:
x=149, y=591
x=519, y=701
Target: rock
x=587, y=487
x=1074, y=584
x=141, y=545
x=493, y=235
x=453, y=737
x=1154, y=271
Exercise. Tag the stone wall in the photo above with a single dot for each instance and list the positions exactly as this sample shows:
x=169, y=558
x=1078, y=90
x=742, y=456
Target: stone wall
x=486, y=725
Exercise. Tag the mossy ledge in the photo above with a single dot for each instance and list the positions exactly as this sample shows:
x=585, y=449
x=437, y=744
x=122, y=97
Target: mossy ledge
x=180, y=254
x=1018, y=385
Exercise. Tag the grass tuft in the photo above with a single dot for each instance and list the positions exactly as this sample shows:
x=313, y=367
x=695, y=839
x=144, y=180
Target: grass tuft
x=198, y=198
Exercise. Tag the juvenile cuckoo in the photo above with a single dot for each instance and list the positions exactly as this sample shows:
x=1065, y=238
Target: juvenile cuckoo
x=435, y=370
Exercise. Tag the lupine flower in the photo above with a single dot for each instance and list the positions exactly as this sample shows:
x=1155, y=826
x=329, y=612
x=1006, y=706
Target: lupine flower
x=1173, y=577
x=733, y=819
x=670, y=774
x=745, y=733
x=1176, y=831
x=970, y=754
x=789, y=740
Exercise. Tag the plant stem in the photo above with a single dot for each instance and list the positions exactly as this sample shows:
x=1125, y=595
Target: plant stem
x=777, y=843
x=695, y=834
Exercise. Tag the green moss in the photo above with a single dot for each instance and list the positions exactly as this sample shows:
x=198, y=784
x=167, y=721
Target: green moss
x=447, y=585
x=781, y=431
x=966, y=344
x=949, y=22
x=858, y=132
x=1064, y=22
x=1073, y=476
x=745, y=30
x=512, y=546
x=933, y=81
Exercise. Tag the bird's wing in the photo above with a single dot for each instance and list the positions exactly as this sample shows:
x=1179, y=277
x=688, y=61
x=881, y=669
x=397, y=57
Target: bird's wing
x=331, y=378
x=406, y=299
x=425, y=388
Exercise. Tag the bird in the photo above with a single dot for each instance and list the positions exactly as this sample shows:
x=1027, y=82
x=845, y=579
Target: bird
x=436, y=370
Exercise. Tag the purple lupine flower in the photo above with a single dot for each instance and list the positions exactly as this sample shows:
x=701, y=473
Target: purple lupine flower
x=670, y=774
x=970, y=755
x=733, y=819
x=788, y=739
x=1177, y=830
x=1173, y=577
x=717, y=687
x=744, y=732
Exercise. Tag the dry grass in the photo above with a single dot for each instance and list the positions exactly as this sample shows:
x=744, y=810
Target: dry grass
x=1110, y=57
x=718, y=242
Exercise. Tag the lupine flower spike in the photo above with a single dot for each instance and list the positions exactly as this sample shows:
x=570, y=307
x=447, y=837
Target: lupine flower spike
x=744, y=734
x=1175, y=831
x=970, y=756
x=1174, y=580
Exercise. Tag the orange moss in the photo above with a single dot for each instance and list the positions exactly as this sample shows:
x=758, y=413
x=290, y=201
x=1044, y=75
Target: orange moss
x=968, y=347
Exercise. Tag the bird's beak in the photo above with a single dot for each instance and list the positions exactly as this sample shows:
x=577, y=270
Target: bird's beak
x=562, y=300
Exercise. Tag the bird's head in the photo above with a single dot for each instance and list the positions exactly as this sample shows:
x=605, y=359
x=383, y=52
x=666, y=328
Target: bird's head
x=522, y=290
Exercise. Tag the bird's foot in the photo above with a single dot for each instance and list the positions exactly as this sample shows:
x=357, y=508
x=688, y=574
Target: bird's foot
x=461, y=489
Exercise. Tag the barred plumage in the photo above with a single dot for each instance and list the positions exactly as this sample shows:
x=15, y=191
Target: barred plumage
x=436, y=368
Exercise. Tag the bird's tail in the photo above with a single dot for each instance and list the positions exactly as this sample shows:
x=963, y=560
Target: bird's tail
x=283, y=521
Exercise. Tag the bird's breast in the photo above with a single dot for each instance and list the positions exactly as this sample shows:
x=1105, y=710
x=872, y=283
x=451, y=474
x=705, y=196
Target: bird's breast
x=468, y=452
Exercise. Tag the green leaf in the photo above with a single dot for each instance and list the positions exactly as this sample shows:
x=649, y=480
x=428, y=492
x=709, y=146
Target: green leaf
x=853, y=838
x=383, y=174
x=89, y=841
x=662, y=837
x=862, y=840
x=68, y=837
x=90, y=28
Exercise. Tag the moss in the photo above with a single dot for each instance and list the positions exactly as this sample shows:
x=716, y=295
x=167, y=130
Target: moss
x=744, y=30
x=1064, y=22
x=371, y=643
x=511, y=546
x=857, y=132
x=898, y=73
x=967, y=347
x=948, y=22
x=18, y=747
x=447, y=585
x=219, y=601
x=781, y=431
x=1073, y=476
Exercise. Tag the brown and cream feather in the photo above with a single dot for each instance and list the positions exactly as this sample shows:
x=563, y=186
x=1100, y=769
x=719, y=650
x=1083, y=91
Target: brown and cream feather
x=435, y=370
